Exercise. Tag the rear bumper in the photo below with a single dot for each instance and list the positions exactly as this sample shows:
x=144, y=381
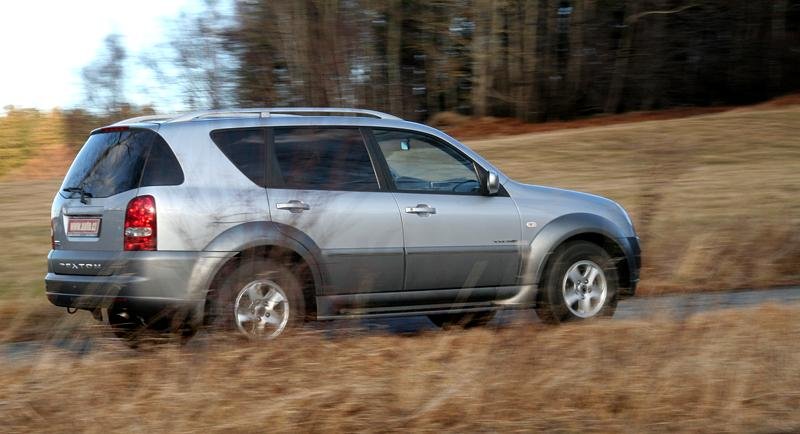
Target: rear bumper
x=92, y=292
x=150, y=279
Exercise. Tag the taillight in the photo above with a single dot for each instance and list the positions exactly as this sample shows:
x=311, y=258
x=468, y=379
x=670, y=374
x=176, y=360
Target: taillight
x=53, y=234
x=140, y=224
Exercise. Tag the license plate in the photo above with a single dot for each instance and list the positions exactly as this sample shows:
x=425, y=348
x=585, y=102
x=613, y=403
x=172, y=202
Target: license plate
x=83, y=226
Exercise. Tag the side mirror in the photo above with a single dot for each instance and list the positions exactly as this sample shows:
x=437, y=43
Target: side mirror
x=492, y=183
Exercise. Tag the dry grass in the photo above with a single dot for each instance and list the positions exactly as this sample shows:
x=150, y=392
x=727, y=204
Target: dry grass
x=714, y=198
x=25, y=231
x=726, y=372
x=468, y=128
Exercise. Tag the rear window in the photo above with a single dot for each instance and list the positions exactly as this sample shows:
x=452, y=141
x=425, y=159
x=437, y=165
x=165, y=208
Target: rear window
x=114, y=162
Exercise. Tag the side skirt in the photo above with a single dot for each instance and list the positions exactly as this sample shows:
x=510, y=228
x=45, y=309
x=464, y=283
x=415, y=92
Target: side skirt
x=408, y=303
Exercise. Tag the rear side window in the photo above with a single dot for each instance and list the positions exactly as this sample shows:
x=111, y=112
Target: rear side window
x=161, y=166
x=322, y=159
x=246, y=148
x=114, y=162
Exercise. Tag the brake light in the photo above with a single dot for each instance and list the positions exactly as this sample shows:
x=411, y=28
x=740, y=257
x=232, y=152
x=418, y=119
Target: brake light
x=110, y=130
x=140, y=224
x=52, y=234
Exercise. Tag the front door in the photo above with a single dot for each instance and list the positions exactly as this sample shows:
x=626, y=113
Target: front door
x=324, y=186
x=455, y=235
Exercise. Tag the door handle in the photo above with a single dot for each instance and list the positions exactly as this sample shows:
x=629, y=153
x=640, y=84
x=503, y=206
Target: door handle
x=421, y=209
x=293, y=206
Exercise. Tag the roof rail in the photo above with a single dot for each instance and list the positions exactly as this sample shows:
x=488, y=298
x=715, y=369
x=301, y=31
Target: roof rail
x=148, y=118
x=266, y=112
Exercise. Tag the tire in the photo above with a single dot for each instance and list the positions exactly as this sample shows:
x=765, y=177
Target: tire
x=465, y=320
x=260, y=299
x=581, y=283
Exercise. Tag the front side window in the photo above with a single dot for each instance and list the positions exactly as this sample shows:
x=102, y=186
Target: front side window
x=419, y=163
x=314, y=158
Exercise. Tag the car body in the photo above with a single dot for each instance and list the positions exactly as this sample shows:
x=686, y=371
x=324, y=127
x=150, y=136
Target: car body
x=376, y=216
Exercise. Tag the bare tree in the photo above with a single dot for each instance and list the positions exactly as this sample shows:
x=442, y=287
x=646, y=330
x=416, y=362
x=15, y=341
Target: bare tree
x=196, y=59
x=104, y=78
x=624, y=52
x=533, y=59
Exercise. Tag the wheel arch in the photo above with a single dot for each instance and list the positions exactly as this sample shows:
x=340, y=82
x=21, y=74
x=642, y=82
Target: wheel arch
x=610, y=245
x=272, y=241
x=566, y=228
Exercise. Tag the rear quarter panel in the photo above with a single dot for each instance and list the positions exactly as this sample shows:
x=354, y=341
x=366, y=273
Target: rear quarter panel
x=214, y=197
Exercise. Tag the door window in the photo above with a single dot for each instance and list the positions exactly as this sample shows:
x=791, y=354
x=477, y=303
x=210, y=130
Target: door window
x=313, y=158
x=419, y=163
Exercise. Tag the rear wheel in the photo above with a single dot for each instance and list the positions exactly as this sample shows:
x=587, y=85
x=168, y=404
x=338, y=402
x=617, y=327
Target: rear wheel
x=580, y=283
x=261, y=299
x=465, y=320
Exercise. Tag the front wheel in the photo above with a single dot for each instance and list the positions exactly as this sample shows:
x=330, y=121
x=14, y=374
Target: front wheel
x=581, y=283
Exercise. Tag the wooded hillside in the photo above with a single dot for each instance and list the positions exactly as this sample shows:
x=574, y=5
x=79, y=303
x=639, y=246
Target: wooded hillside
x=531, y=59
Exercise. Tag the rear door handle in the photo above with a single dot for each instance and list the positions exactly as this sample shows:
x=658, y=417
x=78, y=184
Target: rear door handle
x=421, y=209
x=293, y=206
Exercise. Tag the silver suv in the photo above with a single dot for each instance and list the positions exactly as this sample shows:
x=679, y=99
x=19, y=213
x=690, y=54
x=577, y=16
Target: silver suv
x=259, y=219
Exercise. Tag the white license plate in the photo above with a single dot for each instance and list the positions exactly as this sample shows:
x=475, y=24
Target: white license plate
x=83, y=226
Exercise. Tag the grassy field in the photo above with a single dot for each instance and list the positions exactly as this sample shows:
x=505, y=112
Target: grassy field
x=25, y=227
x=714, y=197
x=734, y=371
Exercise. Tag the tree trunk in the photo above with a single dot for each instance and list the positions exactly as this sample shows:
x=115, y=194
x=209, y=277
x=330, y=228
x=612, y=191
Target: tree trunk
x=481, y=55
x=778, y=43
x=575, y=58
x=530, y=53
x=394, y=36
x=622, y=57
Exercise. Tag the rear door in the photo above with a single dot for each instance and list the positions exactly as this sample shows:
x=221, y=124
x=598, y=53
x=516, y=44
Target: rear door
x=455, y=235
x=323, y=185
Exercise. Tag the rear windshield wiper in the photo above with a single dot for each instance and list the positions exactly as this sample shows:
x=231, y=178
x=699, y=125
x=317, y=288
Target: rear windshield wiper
x=84, y=193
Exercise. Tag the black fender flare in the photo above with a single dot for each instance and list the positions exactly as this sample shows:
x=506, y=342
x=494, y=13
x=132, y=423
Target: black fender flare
x=549, y=238
x=266, y=234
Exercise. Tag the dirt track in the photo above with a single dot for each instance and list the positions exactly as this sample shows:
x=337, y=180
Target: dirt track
x=669, y=307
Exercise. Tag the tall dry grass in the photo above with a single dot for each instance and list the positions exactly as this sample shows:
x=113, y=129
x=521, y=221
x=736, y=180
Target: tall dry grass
x=734, y=371
x=714, y=198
